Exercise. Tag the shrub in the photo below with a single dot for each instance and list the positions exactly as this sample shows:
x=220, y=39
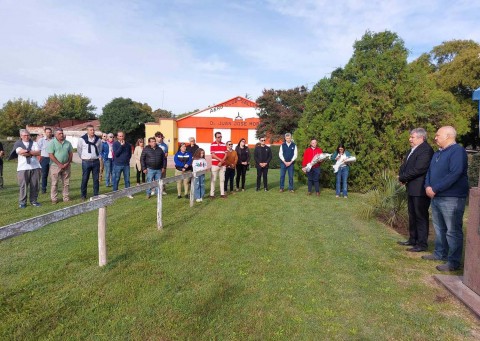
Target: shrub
x=473, y=170
x=274, y=164
x=388, y=202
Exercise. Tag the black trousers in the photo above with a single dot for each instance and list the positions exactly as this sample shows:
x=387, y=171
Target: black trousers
x=262, y=172
x=229, y=176
x=418, y=220
x=241, y=172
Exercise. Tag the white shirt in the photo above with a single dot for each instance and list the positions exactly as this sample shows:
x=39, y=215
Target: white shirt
x=280, y=152
x=82, y=149
x=22, y=160
x=43, y=144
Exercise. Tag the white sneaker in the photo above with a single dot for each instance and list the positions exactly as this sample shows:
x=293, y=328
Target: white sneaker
x=152, y=192
x=130, y=196
x=198, y=200
x=164, y=193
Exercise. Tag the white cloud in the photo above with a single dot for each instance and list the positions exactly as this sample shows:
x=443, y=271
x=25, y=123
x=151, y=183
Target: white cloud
x=186, y=55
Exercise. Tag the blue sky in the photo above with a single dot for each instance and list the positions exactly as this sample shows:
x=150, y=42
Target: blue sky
x=185, y=55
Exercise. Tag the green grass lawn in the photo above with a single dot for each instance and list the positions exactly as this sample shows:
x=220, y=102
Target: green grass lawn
x=256, y=266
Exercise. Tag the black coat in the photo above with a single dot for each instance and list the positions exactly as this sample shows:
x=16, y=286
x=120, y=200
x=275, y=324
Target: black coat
x=413, y=171
x=152, y=158
x=262, y=155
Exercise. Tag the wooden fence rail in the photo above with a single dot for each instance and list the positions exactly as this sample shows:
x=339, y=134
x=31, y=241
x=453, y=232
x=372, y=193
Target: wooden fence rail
x=99, y=203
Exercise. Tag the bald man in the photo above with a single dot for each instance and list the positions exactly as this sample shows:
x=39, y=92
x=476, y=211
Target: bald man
x=446, y=184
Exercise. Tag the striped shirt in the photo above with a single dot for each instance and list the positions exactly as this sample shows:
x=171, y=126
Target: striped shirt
x=219, y=149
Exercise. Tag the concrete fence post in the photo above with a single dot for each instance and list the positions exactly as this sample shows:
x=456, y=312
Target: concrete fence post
x=102, y=242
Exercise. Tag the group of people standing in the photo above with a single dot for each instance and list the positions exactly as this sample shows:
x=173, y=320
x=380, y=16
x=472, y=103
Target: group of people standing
x=288, y=154
x=438, y=180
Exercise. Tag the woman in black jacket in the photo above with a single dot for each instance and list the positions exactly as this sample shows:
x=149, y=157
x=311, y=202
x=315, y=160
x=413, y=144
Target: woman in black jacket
x=242, y=164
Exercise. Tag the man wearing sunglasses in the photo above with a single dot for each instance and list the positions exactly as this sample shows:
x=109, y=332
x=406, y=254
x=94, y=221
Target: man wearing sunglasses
x=218, y=150
x=262, y=156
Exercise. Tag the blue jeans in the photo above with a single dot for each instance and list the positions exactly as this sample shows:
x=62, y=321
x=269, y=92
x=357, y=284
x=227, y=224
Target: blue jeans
x=342, y=177
x=153, y=175
x=447, y=214
x=199, y=187
x=314, y=179
x=284, y=169
x=87, y=167
x=107, y=166
x=117, y=171
x=45, y=164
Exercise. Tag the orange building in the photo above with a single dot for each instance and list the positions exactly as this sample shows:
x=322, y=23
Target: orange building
x=236, y=118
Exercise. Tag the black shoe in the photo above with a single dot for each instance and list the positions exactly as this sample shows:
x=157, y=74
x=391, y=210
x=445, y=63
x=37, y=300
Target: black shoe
x=417, y=249
x=406, y=243
x=187, y=196
x=179, y=197
x=257, y=189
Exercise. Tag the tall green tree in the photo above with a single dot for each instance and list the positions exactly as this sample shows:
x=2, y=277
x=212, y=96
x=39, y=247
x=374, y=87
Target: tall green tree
x=17, y=114
x=280, y=111
x=68, y=106
x=456, y=68
x=371, y=104
x=126, y=115
x=162, y=113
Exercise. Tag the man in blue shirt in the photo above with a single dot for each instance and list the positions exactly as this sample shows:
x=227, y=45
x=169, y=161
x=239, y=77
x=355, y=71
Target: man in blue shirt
x=447, y=185
x=159, y=138
x=122, y=151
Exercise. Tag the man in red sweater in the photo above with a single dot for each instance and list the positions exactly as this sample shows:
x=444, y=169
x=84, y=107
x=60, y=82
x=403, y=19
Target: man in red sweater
x=314, y=174
x=218, y=150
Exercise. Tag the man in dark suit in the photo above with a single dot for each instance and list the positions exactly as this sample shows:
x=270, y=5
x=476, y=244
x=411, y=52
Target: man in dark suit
x=412, y=174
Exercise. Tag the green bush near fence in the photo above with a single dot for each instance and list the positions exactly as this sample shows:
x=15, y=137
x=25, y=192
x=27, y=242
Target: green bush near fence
x=473, y=170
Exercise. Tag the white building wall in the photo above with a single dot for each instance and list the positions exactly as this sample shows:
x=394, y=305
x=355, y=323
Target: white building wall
x=230, y=112
x=252, y=139
x=185, y=133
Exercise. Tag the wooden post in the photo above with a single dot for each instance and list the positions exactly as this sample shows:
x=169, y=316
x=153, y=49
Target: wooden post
x=192, y=188
x=102, y=243
x=159, y=204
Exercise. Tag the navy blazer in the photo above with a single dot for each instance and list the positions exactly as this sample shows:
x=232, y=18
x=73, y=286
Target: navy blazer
x=413, y=171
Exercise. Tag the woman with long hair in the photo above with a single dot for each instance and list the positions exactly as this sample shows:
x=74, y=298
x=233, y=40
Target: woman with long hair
x=137, y=153
x=243, y=154
x=199, y=164
x=343, y=169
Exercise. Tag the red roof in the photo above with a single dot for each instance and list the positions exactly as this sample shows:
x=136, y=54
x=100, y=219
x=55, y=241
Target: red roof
x=237, y=102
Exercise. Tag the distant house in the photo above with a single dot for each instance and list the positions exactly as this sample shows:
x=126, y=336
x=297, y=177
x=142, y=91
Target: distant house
x=235, y=118
x=72, y=131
